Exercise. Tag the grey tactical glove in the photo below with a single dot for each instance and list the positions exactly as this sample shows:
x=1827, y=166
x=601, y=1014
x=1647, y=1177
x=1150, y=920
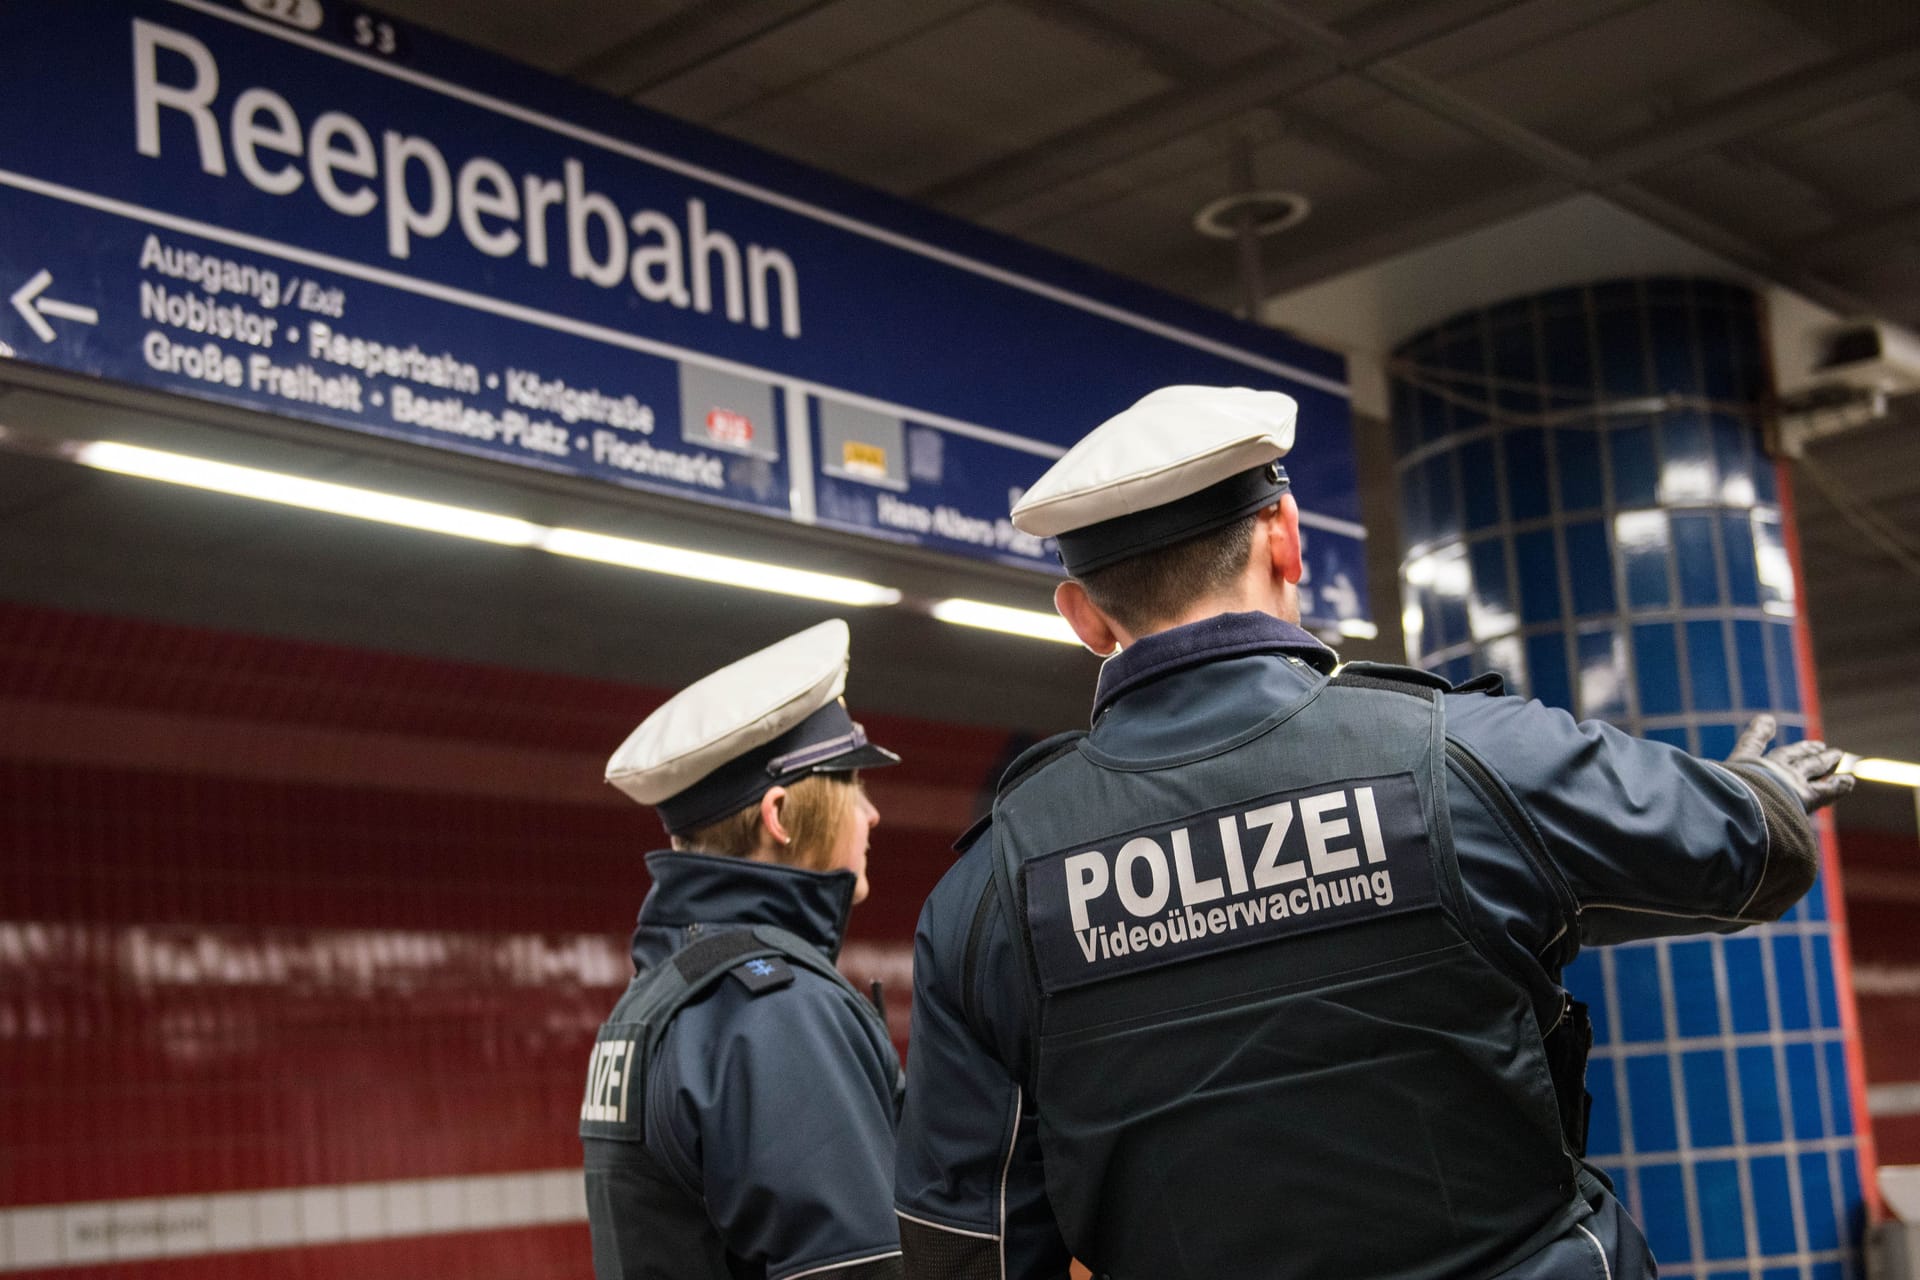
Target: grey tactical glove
x=1805, y=769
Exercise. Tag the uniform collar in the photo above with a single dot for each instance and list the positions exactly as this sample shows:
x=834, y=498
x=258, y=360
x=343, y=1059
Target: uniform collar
x=701, y=888
x=1225, y=635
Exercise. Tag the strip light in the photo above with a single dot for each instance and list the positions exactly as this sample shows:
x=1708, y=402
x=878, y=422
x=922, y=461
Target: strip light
x=314, y=495
x=1900, y=773
x=998, y=617
x=754, y=575
x=485, y=526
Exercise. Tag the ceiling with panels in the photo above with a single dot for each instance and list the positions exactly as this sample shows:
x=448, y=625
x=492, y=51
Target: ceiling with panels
x=1779, y=137
x=1780, y=134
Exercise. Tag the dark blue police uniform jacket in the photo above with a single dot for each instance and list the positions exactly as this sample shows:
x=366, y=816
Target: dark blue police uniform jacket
x=1643, y=841
x=774, y=1111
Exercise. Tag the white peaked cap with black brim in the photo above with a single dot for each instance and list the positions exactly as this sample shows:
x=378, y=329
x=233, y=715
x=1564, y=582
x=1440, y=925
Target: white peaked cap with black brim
x=1182, y=461
x=769, y=719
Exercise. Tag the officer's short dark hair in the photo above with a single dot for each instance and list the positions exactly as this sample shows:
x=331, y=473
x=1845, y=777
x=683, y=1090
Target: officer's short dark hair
x=1145, y=591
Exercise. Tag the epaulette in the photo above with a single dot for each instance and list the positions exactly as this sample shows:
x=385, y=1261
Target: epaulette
x=1424, y=684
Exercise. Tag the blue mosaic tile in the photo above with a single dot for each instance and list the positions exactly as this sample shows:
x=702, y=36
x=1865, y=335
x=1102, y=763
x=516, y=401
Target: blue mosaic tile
x=1645, y=543
x=1823, y=984
x=1786, y=675
x=1650, y=1104
x=1636, y=978
x=1661, y=1190
x=1840, y=1123
x=1849, y=1164
x=1656, y=663
x=1589, y=568
x=1528, y=496
x=1750, y=646
x=1696, y=1005
x=1789, y=971
x=1816, y=1201
x=1687, y=472
x=1716, y=740
x=1603, y=1125
x=1802, y=1082
x=1693, y=553
x=1732, y=456
x=1773, y=1205
x=1539, y=576
x=1759, y=1094
x=1748, y=996
x=1443, y=513
x=1494, y=611
x=1723, y=1224
x=1582, y=482
x=1672, y=735
x=1636, y=474
x=1480, y=484
x=1709, y=1109
x=1707, y=666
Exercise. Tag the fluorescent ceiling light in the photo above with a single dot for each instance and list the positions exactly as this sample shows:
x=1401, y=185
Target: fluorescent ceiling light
x=998, y=617
x=314, y=495
x=462, y=522
x=754, y=575
x=1898, y=772
x=1359, y=629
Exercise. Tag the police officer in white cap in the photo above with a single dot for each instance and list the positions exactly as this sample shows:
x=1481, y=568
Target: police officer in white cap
x=740, y=1102
x=1260, y=976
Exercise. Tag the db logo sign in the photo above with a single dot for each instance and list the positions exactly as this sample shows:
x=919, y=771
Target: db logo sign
x=726, y=427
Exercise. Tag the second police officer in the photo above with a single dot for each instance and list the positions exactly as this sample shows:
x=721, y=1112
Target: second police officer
x=741, y=1098
x=1261, y=976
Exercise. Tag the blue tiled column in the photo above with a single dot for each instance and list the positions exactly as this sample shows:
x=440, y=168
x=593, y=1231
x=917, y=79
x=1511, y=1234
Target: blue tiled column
x=1586, y=508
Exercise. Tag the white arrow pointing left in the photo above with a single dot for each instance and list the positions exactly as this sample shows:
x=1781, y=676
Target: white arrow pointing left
x=34, y=309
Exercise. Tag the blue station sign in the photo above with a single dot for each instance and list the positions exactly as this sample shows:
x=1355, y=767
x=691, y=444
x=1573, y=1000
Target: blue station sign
x=302, y=208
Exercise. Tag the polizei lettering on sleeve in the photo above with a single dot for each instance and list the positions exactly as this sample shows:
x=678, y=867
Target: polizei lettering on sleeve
x=1285, y=864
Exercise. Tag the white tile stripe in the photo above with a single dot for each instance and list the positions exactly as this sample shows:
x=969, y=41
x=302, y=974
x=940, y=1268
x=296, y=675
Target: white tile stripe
x=1699, y=1155
x=1898, y=1098
x=1621, y=1049
x=1802, y=1260
x=59, y=1235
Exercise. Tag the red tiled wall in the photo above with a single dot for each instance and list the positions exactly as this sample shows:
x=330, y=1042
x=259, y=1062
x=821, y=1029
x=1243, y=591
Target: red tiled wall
x=1883, y=916
x=276, y=914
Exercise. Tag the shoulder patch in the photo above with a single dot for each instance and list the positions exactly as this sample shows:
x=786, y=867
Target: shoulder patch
x=763, y=974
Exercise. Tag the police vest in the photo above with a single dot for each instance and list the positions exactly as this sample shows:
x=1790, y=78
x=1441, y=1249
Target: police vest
x=645, y=1224
x=1266, y=1044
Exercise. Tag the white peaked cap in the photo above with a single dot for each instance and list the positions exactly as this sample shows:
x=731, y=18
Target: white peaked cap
x=743, y=706
x=1171, y=443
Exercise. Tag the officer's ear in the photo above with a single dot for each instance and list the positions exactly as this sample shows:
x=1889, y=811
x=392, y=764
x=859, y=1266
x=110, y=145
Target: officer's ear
x=1095, y=629
x=773, y=829
x=1281, y=523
